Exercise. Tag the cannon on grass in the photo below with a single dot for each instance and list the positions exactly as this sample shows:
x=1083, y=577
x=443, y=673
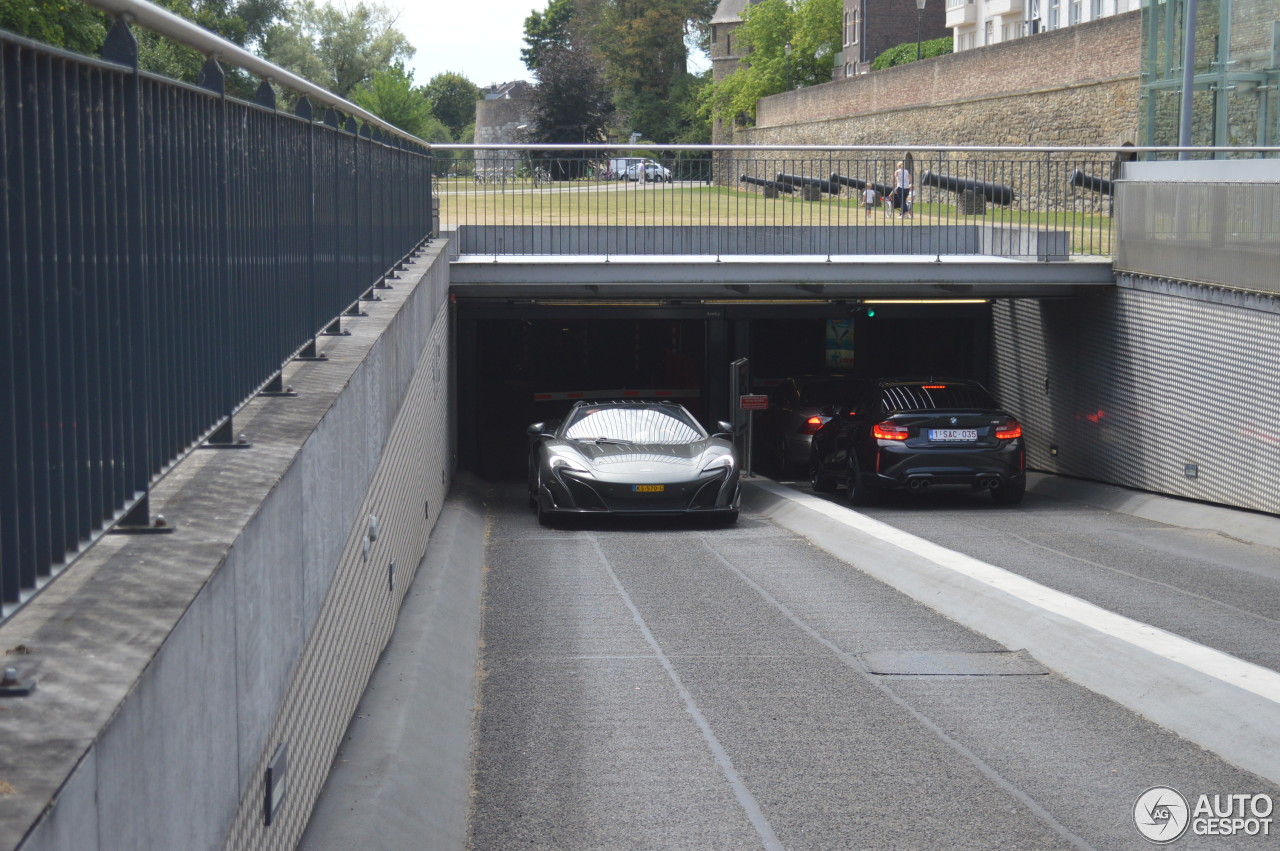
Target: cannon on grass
x=771, y=187
x=1081, y=180
x=882, y=189
x=811, y=188
x=974, y=194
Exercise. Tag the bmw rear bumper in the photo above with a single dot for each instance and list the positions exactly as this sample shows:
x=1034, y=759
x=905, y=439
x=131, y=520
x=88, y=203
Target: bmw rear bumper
x=905, y=468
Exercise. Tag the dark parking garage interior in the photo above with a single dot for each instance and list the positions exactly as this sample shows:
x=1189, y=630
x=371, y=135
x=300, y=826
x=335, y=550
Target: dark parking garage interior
x=524, y=362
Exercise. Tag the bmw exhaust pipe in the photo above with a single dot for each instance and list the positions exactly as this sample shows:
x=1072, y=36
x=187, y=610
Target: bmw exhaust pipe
x=990, y=483
x=918, y=484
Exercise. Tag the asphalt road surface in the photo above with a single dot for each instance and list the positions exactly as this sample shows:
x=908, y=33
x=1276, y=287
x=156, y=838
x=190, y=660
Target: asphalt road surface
x=661, y=685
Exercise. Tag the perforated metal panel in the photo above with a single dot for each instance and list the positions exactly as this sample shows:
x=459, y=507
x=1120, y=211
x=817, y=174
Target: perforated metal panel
x=360, y=609
x=1207, y=232
x=1160, y=386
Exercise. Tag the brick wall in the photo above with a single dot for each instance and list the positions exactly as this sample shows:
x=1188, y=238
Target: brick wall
x=1073, y=86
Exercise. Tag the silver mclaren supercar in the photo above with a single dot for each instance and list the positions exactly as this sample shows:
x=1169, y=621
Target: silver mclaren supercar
x=632, y=458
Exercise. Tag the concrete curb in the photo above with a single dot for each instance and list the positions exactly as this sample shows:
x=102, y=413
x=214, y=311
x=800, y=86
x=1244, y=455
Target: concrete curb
x=402, y=776
x=1222, y=703
x=1251, y=526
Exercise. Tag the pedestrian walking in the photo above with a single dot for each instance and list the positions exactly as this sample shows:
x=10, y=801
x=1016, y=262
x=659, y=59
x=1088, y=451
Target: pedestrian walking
x=901, y=188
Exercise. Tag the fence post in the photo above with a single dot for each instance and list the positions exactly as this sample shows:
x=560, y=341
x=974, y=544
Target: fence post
x=135, y=301
x=213, y=79
x=311, y=350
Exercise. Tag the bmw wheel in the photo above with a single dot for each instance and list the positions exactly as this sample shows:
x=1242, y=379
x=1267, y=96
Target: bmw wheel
x=861, y=491
x=1010, y=492
x=819, y=480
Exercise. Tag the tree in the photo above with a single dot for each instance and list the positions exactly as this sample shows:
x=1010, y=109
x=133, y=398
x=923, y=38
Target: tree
x=570, y=104
x=544, y=31
x=336, y=48
x=71, y=26
x=391, y=95
x=453, y=100
x=644, y=47
x=903, y=53
x=811, y=27
x=242, y=22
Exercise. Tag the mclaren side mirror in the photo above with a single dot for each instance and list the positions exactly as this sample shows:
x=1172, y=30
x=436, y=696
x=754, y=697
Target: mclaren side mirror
x=723, y=429
x=536, y=429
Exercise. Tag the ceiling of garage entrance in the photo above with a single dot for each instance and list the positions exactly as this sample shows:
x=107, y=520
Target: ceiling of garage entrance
x=767, y=277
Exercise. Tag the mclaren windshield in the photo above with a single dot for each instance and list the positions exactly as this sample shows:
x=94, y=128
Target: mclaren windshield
x=633, y=424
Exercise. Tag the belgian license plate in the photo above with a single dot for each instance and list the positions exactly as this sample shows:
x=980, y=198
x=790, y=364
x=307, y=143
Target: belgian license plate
x=953, y=434
x=648, y=488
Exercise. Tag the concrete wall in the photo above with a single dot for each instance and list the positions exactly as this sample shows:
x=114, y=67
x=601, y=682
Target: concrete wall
x=1156, y=385
x=171, y=667
x=498, y=122
x=1162, y=384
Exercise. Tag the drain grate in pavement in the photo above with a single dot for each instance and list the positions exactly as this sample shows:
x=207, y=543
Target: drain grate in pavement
x=930, y=663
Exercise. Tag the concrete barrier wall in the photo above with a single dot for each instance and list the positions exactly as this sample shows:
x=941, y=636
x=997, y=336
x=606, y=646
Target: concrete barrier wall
x=1157, y=385
x=171, y=668
x=697, y=240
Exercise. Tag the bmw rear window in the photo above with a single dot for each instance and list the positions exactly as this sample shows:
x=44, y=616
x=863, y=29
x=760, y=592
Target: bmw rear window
x=939, y=396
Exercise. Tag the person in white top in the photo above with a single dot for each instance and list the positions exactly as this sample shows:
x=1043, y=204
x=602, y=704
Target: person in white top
x=901, y=188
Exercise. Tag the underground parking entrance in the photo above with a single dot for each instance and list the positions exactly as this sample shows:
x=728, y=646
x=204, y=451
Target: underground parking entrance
x=521, y=361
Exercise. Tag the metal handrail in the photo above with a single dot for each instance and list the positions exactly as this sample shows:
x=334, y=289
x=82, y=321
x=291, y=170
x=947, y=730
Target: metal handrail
x=185, y=32
x=961, y=149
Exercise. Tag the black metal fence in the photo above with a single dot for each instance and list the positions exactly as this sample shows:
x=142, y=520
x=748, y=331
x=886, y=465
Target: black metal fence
x=165, y=251
x=1036, y=204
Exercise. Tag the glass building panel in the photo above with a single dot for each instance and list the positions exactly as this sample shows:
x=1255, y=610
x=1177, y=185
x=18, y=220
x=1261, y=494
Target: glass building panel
x=1236, y=72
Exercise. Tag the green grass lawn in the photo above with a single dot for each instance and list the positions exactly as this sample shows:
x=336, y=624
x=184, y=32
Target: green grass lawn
x=519, y=202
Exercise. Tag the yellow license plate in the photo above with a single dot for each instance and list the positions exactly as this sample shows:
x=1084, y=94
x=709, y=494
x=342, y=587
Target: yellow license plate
x=648, y=488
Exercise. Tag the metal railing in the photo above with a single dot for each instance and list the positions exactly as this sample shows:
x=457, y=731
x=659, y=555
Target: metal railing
x=1033, y=203
x=166, y=250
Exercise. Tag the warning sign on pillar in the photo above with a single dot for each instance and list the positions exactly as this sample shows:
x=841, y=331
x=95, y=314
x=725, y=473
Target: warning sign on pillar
x=753, y=403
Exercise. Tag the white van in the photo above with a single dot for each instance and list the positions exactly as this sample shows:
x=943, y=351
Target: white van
x=620, y=165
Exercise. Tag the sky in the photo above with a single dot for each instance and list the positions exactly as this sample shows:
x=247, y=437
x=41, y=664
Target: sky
x=482, y=42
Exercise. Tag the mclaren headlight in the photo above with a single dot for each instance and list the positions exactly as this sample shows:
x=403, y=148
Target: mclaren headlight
x=720, y=462
x=568, y=462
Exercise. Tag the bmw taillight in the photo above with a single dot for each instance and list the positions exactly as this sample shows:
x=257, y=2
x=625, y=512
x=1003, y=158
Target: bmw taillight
x=889, y=430
x=812, y=425
x=1011, y=429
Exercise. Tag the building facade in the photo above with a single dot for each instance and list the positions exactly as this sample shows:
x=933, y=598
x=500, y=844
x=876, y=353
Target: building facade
x=870, y=27
x=979, y=23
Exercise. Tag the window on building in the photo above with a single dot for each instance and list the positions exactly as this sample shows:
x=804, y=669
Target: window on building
x=728, y=44
x=848, y=28
x=1033, y=24
x=1095, y=9
x=1055, y=15
x=857, y=26
x=989, y=33
x=1073, y=12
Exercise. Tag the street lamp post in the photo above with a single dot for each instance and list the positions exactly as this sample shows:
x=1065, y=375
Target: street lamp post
x=919, y=18
x=786, y=48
